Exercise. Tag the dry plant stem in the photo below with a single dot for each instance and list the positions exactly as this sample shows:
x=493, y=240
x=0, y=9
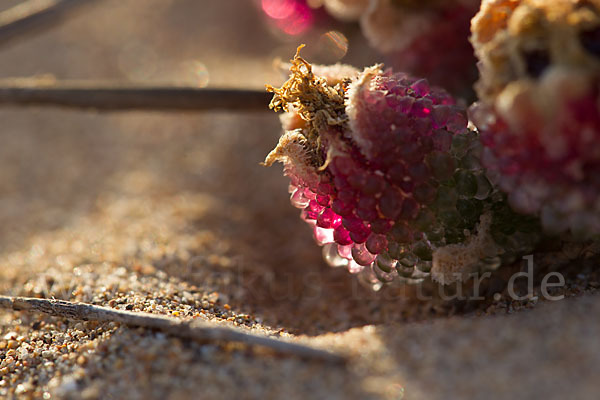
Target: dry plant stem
x=32, y=16
x=194, y=330
x=114, y=96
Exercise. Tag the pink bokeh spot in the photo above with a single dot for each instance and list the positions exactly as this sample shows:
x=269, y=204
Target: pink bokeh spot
x=292, y=17
x=279, y=9
x=299, y=22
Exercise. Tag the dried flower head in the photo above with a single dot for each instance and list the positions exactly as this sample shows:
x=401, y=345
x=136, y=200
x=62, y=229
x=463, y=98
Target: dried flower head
x=539, y=114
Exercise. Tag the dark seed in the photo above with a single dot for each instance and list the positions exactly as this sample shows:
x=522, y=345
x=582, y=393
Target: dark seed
x=536, y=62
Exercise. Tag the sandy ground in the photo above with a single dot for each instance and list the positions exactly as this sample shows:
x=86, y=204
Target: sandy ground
x=172, y=214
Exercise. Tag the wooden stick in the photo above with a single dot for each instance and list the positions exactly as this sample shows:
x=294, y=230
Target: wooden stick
x=194, y=330
x=112, y=96
x=33, y=16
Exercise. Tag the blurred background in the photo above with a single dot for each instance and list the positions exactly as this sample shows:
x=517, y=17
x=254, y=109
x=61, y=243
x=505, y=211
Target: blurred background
x=182, y=192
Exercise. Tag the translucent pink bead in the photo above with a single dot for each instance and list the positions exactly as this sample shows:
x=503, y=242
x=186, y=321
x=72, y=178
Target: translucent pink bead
x=367, y=214
x=310, y=194
x=381, y=225
x=362, y=256
x=420, y=87
x=332, y=257
x=314, y=206
x=442, y=140
x=376, y=243
x=323, y=200
x=410, y=209
x=342, y=236
x=298, y=199
x=342, y=208
x=457, y=123
x=353, y=224
x=324, y=189
x=309, y=216
x=344, y=166
x=361, y=236
x=323, y=236
x=345, y=251
x=329, y=219
x=397, y=173
x=390, y=203
x=422, y=108
x=405, y=104
x=373, y=184
x=354, y=267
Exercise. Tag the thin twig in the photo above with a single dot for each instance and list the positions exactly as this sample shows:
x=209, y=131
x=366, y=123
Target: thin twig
x=194, y=330
x=114, y=96
x=32, y=16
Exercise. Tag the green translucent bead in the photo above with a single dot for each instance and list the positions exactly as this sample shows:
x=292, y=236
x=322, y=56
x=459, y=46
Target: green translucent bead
x=396, y=250
x=424, y=266
x=425, y=193
x=466, y=184
x=422, y=250
x=385, y=262
x=405, y=271
x=451, y=218
x=470, y=162
x=435, y=235
x=408, y=259
x=460, y=144
x=400, y=233
x=425, y=220
x=382, y=276
x=484, y=187
x=442, y=165
x=446, y=198
x=470, y=211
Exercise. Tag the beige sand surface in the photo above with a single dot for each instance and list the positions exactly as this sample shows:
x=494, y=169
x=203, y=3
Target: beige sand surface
x=172, y=214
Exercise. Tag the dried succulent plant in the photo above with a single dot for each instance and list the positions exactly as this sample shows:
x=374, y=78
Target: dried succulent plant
x=387, y=173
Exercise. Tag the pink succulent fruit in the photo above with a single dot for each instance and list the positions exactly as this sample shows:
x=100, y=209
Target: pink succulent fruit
x=386, y=173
